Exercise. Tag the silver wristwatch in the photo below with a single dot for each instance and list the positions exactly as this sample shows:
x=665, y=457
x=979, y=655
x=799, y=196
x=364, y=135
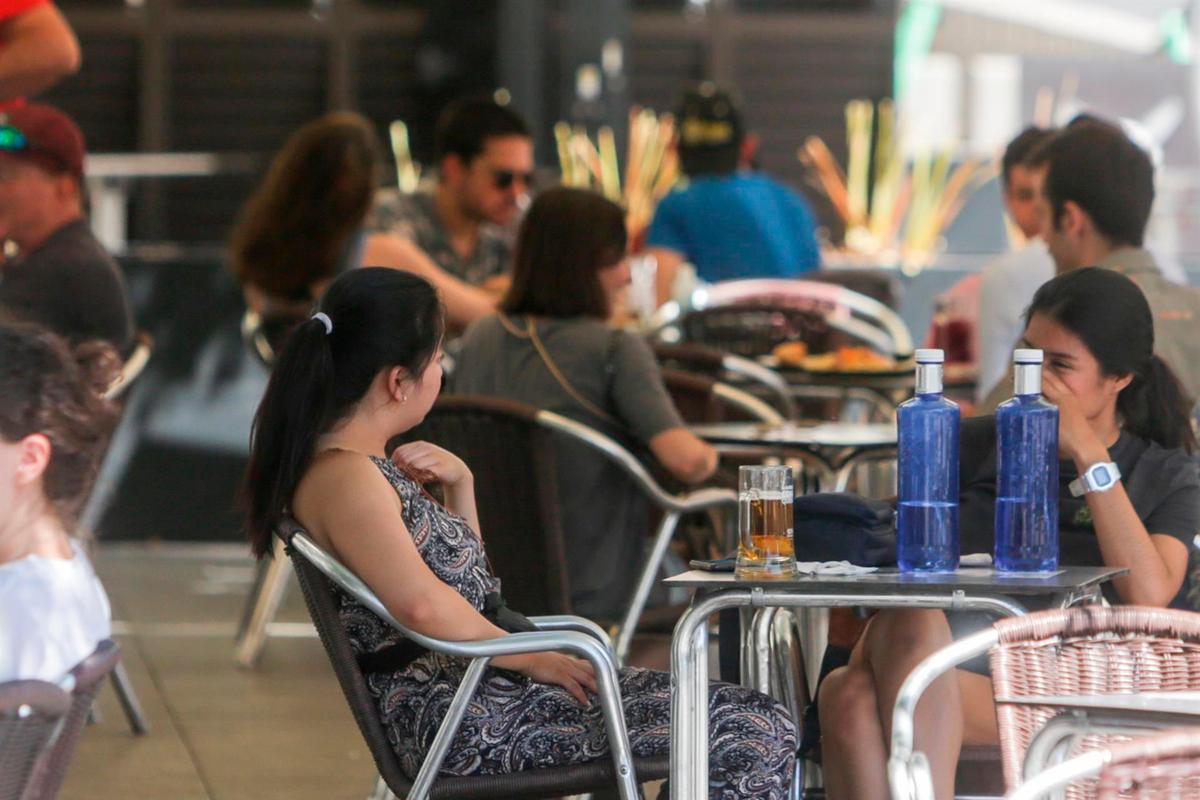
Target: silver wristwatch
x=1099, y=477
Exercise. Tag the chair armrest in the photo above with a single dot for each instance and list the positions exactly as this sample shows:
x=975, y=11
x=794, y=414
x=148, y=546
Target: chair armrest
x=633, y=468
x=568, y=622
x=908, y=771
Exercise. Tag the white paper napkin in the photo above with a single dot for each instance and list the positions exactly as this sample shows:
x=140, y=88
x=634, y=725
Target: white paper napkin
x=831, y=568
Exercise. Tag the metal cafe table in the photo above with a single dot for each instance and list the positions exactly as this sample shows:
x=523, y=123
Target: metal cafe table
x=834, y=449
x=968, y=589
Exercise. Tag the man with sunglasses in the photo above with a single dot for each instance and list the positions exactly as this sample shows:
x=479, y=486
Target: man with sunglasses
x=485, y=172
x=55, y=272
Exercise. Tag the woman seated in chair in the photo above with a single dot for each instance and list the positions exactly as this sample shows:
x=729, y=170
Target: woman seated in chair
x=53, y=428
x=550, y=347
x=305, y=225
x=366, y=368
x=1117, y=403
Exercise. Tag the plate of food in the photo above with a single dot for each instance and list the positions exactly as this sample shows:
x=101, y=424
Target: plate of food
x=845, y=360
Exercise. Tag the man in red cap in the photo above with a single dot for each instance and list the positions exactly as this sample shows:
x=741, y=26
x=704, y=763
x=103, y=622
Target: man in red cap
x=37, y=48
x=59, y=276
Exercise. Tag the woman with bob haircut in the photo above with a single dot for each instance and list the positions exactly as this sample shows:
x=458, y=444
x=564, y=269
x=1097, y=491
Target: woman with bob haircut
x=1117, y=402
x=53, y=429
x=305, y=225
x=551, y=347
x=364, y=369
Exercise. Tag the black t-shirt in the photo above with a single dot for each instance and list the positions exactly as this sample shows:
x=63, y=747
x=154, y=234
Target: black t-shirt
x=1162, y=484
x=72, y=286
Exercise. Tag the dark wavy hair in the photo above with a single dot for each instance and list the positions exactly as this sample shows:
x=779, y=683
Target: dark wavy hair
x=567, y=237
x=1110, y=314
x=295, y=229
x=381, y=318
x=47, y=388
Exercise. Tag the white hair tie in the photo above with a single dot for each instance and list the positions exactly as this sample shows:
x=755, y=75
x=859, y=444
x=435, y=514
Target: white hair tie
x=325, y=320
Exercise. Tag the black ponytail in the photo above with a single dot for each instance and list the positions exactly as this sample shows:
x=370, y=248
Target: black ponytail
x=1153, y=406
x=1111, y=315
x=378, y=318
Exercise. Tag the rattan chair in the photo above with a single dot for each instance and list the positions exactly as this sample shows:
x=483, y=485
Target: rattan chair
x=1159, y=765
x=319, y=573
x=1083, y=650
x=31, y=713
x=87, y=678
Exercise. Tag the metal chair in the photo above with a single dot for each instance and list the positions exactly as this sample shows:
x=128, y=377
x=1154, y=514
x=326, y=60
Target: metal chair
x=1157, y=765
x=87, y=679
x=319, y=573
x=484, y=431
x=31, y=713
x=1084, y=650
x=701, y=399
x=760, y=381
x=750, y=317
x=116, y=459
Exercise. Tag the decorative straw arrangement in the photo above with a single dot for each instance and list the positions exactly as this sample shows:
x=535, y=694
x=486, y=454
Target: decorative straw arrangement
x=893, y=209
x=651, y=164
x=408, y=172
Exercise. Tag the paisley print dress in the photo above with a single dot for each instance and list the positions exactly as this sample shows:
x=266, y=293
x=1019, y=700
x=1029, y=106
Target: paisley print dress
x=514, y=723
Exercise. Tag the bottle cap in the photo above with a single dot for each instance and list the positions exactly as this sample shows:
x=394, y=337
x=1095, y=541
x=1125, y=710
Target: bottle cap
x=1027, y=356
x=930, y=355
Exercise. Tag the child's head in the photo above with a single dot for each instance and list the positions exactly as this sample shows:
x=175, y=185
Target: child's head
x=54, y=422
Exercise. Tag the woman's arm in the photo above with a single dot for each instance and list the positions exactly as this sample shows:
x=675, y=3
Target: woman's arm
x=1157, y=563
x=464, y=303
x=685, y=455
x=458, y=484
x=351, y=510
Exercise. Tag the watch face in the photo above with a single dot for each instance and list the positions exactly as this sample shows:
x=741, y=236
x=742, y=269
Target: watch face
x=1100, y=476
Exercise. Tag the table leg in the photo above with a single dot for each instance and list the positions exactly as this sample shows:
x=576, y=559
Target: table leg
x=814, y=638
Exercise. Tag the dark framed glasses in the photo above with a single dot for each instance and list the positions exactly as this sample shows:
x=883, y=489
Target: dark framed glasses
x=12, y=140
x=504, y=178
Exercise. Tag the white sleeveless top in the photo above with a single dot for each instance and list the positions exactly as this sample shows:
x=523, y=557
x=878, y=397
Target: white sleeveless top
x=53, y=613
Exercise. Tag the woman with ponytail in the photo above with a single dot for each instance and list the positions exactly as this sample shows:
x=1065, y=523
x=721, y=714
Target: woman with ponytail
x=364, y=368
x=53, y=429
x=1118, y=404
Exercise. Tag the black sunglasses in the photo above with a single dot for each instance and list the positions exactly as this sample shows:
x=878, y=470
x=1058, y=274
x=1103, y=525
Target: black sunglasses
x=504, y=178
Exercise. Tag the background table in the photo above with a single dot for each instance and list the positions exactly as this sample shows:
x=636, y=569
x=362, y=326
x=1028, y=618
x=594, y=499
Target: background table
x=968, y=589
x=833, y=448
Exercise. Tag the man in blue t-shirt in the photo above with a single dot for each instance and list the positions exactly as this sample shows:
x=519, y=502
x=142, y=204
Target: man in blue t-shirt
x=727, y=221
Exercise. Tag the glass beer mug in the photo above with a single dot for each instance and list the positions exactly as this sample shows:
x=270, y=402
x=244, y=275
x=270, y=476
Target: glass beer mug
x=765, y=545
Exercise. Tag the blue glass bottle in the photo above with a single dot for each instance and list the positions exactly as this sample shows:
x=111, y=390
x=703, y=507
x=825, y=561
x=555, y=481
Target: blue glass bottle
x=1027, y=473
x=927, y=513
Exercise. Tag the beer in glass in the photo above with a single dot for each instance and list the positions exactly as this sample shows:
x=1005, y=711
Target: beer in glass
x=765, y=545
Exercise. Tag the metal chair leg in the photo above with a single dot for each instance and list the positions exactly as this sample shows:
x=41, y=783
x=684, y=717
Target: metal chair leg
x=381, y=791
x=129, y=701
x=266, y=602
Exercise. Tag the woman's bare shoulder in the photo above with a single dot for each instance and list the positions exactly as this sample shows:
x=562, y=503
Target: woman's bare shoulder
x=338, y=481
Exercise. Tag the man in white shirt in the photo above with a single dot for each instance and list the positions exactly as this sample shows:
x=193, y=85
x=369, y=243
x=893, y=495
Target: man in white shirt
x=1008, y=283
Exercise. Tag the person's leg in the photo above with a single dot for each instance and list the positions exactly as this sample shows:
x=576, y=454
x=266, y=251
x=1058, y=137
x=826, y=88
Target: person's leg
x=979, y=709
x=752, y=745
x=895, y=643
x=853, y=753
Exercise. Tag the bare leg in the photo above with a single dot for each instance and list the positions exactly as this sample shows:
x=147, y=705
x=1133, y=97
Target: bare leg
x=853, y=753
x=895, y=643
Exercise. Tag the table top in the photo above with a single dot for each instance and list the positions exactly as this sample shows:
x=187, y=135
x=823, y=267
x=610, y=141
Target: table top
x=889, y=579
x=1183, y=703
x=828, y=434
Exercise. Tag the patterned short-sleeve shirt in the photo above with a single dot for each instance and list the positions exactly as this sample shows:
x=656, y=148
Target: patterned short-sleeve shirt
x=413, y=217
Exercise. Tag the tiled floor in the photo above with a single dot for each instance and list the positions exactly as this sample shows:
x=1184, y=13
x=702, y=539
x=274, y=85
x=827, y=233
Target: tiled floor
x=218, y=732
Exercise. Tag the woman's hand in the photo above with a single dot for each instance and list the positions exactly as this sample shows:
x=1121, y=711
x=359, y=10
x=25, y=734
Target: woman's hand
x=428, y=458
x=573, y=674
x=1076, y=438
